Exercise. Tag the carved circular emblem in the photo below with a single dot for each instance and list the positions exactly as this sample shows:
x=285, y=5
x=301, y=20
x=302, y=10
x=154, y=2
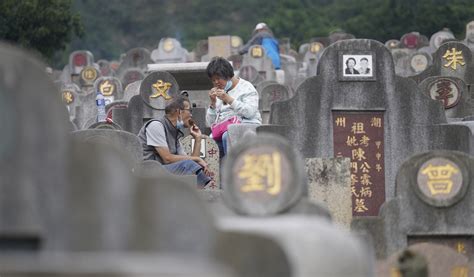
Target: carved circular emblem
x=256, y=51
x=446, y=91
x=107, y=87
x=235, y=41
x=440, y=182
x=79, y=59
x=89, y=74
x=411, y=40
x=315, y=47
x=419, y=62
x=168, y=45
x=68, y=97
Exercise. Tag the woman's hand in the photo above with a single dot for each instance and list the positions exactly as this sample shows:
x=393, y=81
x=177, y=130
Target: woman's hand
x=213, y=97
x=222, y=95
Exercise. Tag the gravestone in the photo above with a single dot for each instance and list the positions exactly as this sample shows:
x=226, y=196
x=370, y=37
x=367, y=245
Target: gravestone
x=439, y=261
x=105, y=69
x=236, y=43
x=469, y=39
x=86, y=114
x=169, y=51
x=257, y=58
x=439, y=38
x=313, y=246
x=135, y=58
x=419, y=61
x=392, y=44
x=263, y=176
x=131, y=75
x=452, y=59
x=123, y=141
x=110, y=87
x=201, y=50
x=78, y=60
x=250, y=73
x=433, y=199
x=237, y=133
x=236, y=61
x=32, y=150
x=401, y=60
x=413, y=40
x=329, y=182
x=338, y=36
x=209, y=153
x=312, y=56
x=451, y=92
x=110, y=110
x=131, y=90
x=70, y=97
x=269, y=94
x=336, y=114
x=220, y=46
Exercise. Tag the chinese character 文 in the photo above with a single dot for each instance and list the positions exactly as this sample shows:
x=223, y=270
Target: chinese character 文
x=358, y=128
x=453, y=58
x=341, y=121
x=161, y=89
x=360, y=206
x=439, y=178
x=262, y=173
x=444, y=91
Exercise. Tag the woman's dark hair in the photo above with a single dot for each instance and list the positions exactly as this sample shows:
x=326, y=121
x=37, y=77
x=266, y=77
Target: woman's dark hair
x=176, y=104
x=347, y=61
x=220, y=67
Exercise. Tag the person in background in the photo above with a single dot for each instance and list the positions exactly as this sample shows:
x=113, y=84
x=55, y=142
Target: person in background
x=262, y=35
x=160, y=141
x=230, y=96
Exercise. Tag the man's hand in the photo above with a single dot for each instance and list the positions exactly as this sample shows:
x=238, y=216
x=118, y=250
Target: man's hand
x=204, y=166
x=195, y=132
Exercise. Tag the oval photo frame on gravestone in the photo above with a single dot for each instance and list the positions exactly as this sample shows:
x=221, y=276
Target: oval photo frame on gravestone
x=455, y=92
x=440, y=179
x=158, y=88
x=263, y=176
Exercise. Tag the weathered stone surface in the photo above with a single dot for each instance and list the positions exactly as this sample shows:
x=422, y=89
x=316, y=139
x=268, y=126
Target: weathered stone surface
x=329, y=182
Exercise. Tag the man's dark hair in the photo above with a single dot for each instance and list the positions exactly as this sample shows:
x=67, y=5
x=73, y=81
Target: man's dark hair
x=364, y=59
x=176, y=104
x=220, y=67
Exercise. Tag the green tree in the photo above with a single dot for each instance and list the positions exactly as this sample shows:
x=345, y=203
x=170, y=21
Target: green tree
x=42, y=25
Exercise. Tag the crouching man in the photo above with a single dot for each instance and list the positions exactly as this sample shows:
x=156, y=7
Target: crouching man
x=160, y=142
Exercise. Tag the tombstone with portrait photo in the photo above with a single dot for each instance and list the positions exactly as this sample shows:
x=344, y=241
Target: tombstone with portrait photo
x=469, y=39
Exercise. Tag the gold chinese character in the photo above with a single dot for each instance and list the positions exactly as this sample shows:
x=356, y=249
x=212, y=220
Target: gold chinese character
x=358, y=154
x=378, y=167
x=365, y=179
x=161, y=89
x=365, y=167
x=360, y=206
x=358, y=128
x=354, y=192
x=378, y=156
x=378, y=143
x=106, y=88
x=354, y=179
x=376, y=122
x=341, y=121
x=262, y=172
x=354, y=166
x=460, y=271
x=89, y=74
x=68, y=98
x=453, y=57
x=315, y=47
x=257, y=52
x=394, y=272
x=365, y=192
x=364, y=141
x=439, y=178
x=168, y=45
x=351, y=141
x=460, y=248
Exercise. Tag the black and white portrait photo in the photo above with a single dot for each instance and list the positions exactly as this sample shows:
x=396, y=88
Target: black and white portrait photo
x=357, y=65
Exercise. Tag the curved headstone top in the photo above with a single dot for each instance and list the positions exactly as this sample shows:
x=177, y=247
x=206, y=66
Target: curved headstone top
x=470, y=32
x=78, y=60
x=263, y=176
x=169, y=51
x=110, y=87
x=392, y=44
x=158, y=88
x=439, y=37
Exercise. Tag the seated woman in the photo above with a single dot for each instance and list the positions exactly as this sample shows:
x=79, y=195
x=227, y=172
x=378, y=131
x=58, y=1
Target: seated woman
x=230, y=96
